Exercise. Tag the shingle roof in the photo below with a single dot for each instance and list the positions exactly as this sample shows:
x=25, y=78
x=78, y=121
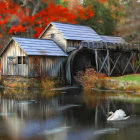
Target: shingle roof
x=112, y=39
x=75, y=32
x=39, y=47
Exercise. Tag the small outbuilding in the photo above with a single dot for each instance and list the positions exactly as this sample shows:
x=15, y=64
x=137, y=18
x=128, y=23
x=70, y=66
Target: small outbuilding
x=32, y=58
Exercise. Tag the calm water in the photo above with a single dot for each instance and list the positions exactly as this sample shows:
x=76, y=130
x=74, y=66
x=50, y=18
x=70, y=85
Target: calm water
x=67, y=114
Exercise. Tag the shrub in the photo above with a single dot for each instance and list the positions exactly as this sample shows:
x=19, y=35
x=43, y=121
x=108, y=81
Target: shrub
x=91, y=79
x=47, y=83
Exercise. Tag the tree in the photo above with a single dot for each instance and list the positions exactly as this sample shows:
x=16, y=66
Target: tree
x=129, y=28
x=106, y=16
x=46, y=15
x=16, y=19
x=10, y=14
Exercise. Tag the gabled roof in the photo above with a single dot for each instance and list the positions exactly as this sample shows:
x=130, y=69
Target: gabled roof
x=75, y=32
x=112, y=39
x=39, y=47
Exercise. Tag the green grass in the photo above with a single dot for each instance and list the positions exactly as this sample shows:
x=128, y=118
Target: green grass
x=129, y=78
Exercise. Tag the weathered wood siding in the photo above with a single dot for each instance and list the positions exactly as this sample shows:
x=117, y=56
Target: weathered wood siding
x=58, y=37
x=46, y=66
x=13, y=50
x=72, y=44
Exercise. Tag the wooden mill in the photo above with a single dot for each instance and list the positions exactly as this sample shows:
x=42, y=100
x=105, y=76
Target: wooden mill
x=64, y=49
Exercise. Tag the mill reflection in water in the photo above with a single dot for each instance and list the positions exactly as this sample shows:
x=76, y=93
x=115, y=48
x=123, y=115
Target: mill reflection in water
x=67, y=114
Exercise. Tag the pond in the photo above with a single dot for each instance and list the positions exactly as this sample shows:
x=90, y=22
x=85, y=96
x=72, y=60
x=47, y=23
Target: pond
x=67, y=114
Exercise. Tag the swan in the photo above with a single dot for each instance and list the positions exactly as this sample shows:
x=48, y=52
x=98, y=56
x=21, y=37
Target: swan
x=117, y=115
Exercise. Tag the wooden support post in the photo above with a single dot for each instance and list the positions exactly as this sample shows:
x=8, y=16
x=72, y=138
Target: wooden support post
x=138, y=66
x=132, y=64
x=133, y=68
x=108, y=63
x=104, y=62
x=96, y=59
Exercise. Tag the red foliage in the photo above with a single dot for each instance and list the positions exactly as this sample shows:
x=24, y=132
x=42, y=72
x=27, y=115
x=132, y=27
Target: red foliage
x=15, y=19
x=11, y=15
x=52, y=13
x=17, y=28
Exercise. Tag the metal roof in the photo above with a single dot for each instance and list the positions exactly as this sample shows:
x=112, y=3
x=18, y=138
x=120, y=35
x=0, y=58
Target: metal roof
x=39, y=47
x=112, y=39
x=75, y=32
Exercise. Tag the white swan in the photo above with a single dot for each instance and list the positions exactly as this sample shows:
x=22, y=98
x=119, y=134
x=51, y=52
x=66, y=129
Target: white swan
x=117, y=115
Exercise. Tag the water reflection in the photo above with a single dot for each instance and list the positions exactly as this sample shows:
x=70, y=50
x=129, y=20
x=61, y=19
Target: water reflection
x=67, y=114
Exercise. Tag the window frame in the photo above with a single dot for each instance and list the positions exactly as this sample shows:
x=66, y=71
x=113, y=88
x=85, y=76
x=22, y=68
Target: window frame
x=52, y=36
x=19, y=58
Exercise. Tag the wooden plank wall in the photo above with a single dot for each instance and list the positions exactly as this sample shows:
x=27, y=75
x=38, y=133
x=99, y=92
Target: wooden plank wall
x=58, y=37
x=46, y=66
x=72, y=44
x=13, y=69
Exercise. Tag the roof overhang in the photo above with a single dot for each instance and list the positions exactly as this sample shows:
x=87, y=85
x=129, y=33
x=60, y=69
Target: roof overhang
x=45, y=30
x=5, y=48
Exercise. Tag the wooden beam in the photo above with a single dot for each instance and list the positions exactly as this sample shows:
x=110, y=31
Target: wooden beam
x=132, y=66
x=127, y=63
x=104, y=62
x=96, y=59
x=105, y=68
x=108, y=63
x=115, y=63
x=137, y=68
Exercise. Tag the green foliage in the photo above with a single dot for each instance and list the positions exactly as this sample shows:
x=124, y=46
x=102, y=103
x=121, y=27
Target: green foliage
x=103, y=21
x=61, y=2
x=129, y=78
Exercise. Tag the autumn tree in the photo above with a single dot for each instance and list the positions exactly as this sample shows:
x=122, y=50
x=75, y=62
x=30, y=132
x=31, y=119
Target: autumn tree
x=46, y=15
x=11, y=14
x=129, y=28
x=21, y=19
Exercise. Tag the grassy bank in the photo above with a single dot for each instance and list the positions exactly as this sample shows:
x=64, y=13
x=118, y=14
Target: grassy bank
x=126, y=82
x=129, y=78
x=91, y=79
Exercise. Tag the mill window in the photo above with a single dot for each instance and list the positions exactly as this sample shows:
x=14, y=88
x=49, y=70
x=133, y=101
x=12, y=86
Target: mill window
x=19, y=59
x=52, y=35
x=24, y=60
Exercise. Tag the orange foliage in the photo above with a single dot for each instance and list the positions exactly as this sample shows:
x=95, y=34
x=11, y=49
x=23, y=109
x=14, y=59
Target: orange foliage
x=80, y=12
x=12, y=85
x=91, y=79
x=99, y=21
x=101, y=1
x=84, y=13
